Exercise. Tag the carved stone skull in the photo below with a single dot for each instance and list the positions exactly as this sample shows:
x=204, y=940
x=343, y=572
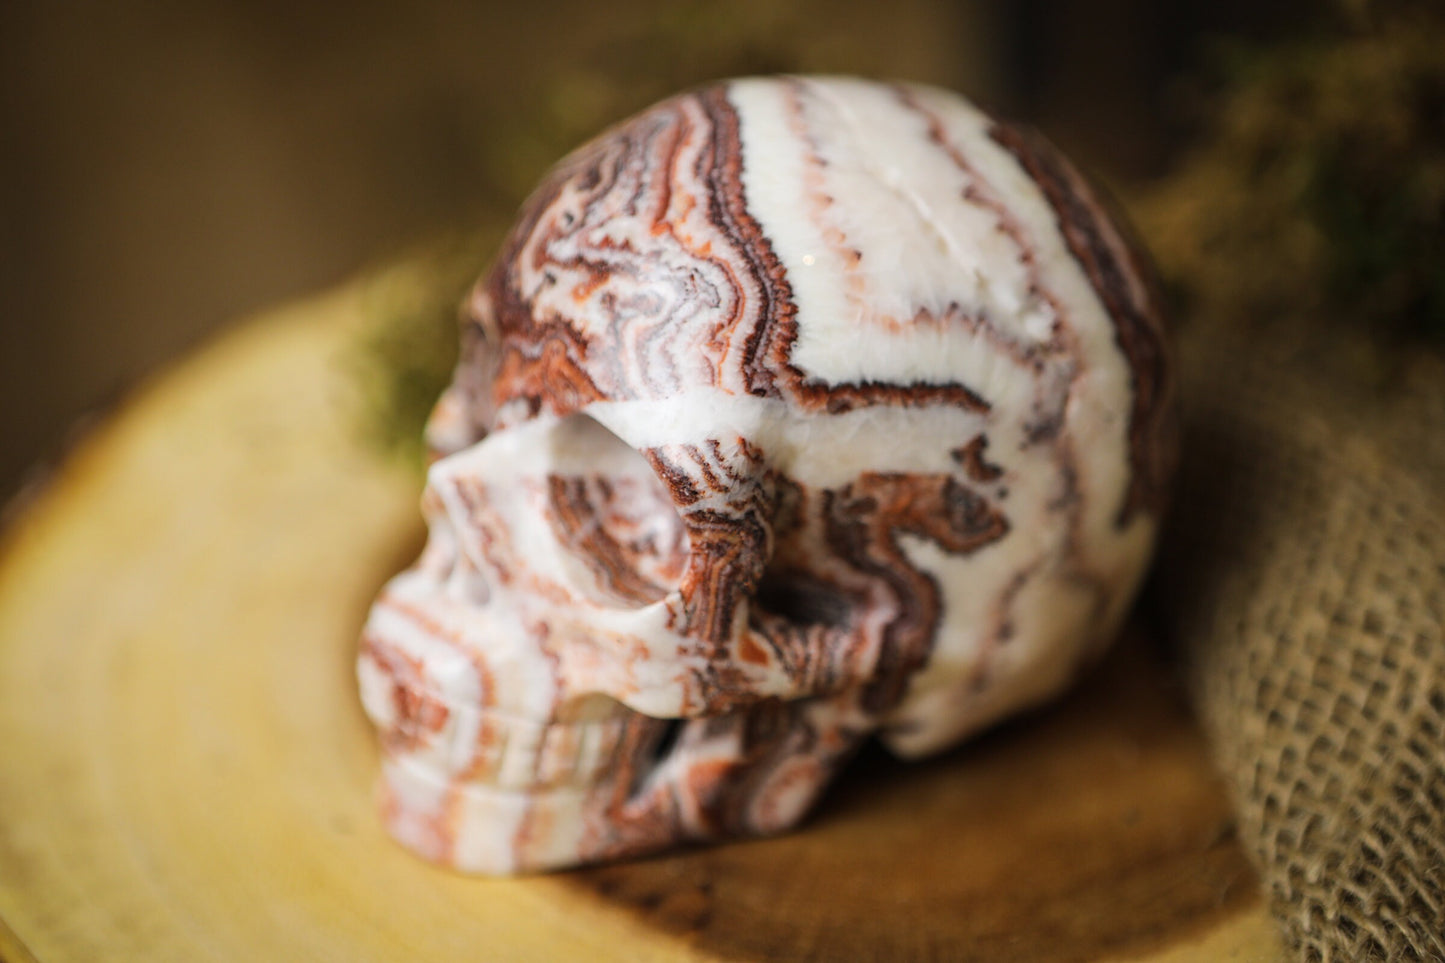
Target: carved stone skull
x=793, y=412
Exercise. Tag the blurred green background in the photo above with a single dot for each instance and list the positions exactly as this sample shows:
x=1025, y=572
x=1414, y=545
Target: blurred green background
x=169, y=166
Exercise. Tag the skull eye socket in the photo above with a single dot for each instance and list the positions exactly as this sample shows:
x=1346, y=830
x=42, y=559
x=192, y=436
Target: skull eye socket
x=614, y=516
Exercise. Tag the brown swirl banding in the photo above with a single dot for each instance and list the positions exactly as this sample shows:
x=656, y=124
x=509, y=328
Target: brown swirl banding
x=604, y=523
x=418, y=715
x=689, y=309
x=425, y=620
x=727, y=506
x=492, y=542
x=728, y=552
x=768, y=368
x=974, y=461
x=1121, y=278
x=865, y=520
x=841, y=556
x=725, y=791
x=664, y=296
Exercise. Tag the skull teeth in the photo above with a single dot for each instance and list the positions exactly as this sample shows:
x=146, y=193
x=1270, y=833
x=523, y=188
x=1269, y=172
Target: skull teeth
x=465, y=743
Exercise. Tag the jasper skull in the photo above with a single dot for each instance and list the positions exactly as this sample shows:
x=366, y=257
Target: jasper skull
x=793, y=412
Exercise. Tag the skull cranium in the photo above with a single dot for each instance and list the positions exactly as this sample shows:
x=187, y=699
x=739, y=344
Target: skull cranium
x=794, y=411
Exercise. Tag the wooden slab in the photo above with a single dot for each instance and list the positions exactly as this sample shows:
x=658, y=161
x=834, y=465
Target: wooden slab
x=186, y=771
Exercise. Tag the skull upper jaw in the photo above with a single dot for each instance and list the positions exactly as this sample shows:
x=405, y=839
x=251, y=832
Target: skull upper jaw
x=539, y=796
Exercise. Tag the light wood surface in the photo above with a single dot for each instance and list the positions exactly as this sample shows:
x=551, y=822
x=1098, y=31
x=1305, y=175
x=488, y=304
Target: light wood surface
x=186, y=773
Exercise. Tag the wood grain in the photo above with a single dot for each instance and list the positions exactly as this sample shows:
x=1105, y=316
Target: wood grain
x=187, y=772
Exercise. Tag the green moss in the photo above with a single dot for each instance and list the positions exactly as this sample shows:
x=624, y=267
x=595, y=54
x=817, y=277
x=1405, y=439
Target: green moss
x=408, y=343
x=1320, y=191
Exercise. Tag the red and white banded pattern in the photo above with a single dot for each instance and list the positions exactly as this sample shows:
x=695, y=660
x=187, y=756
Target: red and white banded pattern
x=792, y=412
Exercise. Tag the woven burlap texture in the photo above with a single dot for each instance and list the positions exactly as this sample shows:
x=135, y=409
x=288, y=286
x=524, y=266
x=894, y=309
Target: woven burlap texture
x=1303, y=578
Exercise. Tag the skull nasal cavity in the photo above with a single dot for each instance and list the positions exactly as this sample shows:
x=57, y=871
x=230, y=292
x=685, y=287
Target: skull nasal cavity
x=803, y=599
x=623, y=536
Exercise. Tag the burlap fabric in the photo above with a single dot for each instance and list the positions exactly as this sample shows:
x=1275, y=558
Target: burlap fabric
x=1303, y=579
